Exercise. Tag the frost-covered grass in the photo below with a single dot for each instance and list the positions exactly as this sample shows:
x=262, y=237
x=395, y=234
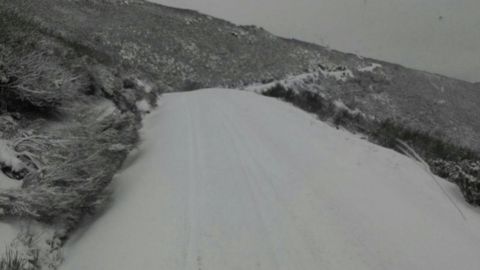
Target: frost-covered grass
x=36, y=247
x=12, y=260
x=19, y=256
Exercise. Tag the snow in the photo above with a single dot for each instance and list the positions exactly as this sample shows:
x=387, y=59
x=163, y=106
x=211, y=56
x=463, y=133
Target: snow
x=7, y=183
x=340, y=105
x=441, y=102
x=105, y=109
x=291, y=82
x=143, y=106
x=370, y=68
x=339, y=75
x=233, y=180
x=304, y=80
x=8, y=157
x=147, y=87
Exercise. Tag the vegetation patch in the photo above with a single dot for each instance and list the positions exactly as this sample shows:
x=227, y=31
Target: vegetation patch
x=12, y=260
x=66, y=126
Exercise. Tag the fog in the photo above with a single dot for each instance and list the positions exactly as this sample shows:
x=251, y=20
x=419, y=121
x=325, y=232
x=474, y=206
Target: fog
x=441, y=36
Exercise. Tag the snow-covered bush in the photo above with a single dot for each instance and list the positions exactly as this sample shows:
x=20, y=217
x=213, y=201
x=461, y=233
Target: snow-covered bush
x=35, y=247
x=30, y=82
x=21, y=254
x=65, y=167
x=465, y=173
x=12, y=260
x=8, y=126
x=10, y=162
x=143, y=93
x=73, y=174
x=126, y=91
x=333, y=111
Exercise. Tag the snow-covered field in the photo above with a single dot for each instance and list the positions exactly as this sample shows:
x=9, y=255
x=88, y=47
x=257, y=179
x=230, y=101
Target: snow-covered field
x=233, y=180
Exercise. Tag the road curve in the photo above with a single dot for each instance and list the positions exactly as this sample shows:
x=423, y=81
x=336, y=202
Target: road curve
x=228, y=180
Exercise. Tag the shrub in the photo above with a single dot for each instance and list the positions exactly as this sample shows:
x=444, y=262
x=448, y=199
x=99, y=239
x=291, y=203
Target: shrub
x=32, y=82
x=278, y=91
x=190, y=85
x=71, y=165
x=70, y=184
x=342, y=118
x=308, y=101
x=387, y=132
x=11, y=260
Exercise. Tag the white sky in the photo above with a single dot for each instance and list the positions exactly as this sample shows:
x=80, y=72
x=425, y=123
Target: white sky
x=441, y=36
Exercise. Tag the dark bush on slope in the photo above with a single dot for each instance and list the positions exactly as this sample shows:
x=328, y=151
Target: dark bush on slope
x=387, y=133
x=323, y=108
x=308, y=101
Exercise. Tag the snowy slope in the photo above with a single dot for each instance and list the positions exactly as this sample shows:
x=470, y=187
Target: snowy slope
x=408, y=32
x=233, y=180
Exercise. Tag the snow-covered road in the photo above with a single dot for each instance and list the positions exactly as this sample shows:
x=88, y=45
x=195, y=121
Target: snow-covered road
x=232, y=180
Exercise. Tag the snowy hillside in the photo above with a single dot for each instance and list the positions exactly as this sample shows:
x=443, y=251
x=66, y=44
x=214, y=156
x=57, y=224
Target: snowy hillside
x=233, y=180
x=186, y=50
x=409, y=32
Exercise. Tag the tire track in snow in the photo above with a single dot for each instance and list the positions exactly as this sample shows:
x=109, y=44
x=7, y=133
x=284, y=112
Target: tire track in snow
x=248, y=176
x=268, y=199
x=196, y=179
